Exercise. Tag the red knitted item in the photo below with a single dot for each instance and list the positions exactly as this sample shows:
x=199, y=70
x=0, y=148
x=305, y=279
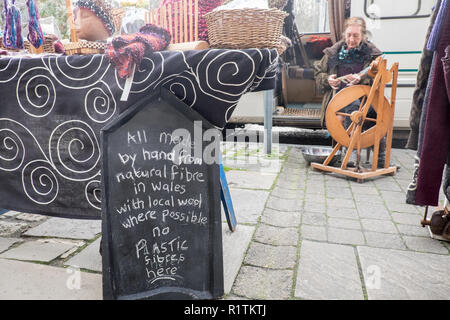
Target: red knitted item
x=204, y=6
x=127, y=50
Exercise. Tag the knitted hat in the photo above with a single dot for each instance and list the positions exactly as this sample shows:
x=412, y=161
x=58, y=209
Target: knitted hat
x=101, y=9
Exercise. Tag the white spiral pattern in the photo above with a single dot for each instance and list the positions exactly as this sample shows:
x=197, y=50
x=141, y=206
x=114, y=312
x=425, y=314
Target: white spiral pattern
x=5, y=72
x=93, y=195
x=87, y=71
x=49, y=131
x=74, y=151
x=100, y=104
x=12, y=150
x=36, y=92
x=40, y=182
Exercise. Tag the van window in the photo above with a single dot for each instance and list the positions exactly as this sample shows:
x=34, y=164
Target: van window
x=311, y=16
x=399, y=9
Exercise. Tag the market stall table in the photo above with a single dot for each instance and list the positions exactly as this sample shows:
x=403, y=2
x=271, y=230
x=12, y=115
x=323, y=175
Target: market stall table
x=53, y=108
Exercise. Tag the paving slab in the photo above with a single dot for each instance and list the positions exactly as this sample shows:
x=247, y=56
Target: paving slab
x=276, y=236
x=12, y=229
x=263, y=284
x=383, y=226
x=248, y=204
x=281, y=219
x=89, y=258
x=283, y=193
x=409, y=230
x=328, y=272
x=404, y=275
x=342, y=213
x=271, y=257
x=317, y=233
x=314, y=218
x=339, y=193
x=235, y=245
x=345, y=236
x=26, y=282
x=250, y=180
x=257, y=164
x=29, y=217
x=313, y=206
x=406, y=218
x=384, y=240
x=284, y=205
x=425, y=245
x=67, y=228
x=40, y=250
x=344, y=223
x=371, y=211
x=6, y=243
x=10, y=214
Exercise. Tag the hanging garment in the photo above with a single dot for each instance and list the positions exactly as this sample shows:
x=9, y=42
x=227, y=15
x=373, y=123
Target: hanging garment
x=437, y=128
x=421, y=85
x=412, y=188
x=446, y=66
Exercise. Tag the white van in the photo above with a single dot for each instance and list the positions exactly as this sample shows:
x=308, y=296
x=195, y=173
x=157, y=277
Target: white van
x=398, y=28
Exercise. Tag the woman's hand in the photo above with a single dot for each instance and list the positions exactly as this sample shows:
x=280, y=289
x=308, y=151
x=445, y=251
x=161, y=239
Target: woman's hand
x=334, y=83
x=352, y=79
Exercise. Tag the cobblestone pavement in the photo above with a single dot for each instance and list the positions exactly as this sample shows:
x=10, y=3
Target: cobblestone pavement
x=301, y=234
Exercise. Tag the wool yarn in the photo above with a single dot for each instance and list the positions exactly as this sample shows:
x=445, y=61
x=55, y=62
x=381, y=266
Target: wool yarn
x=35, y=35
x=12, y=34
x=128, y=50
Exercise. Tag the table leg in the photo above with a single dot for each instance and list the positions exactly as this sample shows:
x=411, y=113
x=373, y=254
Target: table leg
x=227, y=202
x=268, y=120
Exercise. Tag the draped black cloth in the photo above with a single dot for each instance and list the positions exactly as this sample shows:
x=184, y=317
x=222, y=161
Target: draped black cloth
x=53, y=108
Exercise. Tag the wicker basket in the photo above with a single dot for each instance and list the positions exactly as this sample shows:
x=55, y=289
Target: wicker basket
x=245, y=28
x=49, y=46
x=84, y=48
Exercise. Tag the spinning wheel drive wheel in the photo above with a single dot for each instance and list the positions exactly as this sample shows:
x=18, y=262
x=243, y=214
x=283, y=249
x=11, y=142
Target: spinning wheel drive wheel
x=359, y=117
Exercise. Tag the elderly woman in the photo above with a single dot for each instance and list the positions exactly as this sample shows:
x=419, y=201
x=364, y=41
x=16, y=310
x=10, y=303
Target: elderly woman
x=347, y=58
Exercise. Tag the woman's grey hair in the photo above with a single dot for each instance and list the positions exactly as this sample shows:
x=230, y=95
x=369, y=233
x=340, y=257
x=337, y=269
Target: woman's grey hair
x=360, y=22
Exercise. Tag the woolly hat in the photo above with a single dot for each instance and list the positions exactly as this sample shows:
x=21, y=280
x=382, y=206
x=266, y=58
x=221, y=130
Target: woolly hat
x=101, y=9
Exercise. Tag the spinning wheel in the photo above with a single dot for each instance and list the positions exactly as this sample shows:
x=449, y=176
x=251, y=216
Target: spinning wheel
x=364, y=131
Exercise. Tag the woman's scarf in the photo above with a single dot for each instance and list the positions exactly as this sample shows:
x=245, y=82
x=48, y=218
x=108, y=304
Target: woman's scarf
x=360, y=54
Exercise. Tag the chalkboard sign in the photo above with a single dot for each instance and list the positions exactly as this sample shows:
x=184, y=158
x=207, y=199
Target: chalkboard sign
x=161, y=217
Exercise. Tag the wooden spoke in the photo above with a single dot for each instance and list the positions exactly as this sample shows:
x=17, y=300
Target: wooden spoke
x=343, y=114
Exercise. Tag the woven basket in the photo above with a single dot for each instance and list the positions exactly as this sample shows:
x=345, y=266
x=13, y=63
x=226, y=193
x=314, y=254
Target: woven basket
x=84, y=48
x=2, y=47
x=245, y=28
x=49, y=47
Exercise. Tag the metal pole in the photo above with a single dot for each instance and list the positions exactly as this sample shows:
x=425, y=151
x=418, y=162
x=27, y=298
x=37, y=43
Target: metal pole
x=268, y=119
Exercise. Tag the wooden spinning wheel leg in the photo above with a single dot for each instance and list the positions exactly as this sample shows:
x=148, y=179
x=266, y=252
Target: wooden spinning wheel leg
x=353, y=142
